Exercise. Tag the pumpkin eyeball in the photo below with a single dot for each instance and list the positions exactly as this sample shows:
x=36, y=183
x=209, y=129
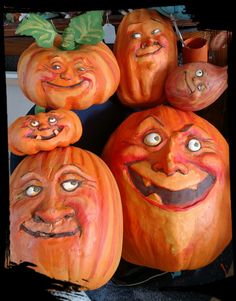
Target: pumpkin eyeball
x=194, y=145
x=33, y=190
x=199, y=73
x=52, y=120
x=136, y=35
x=70, y=185
x=34, y=123
x=152, y=139
x=81, y=69
x=155, y=31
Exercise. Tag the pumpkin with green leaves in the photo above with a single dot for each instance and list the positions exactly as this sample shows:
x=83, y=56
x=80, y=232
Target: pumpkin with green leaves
x=74, y=70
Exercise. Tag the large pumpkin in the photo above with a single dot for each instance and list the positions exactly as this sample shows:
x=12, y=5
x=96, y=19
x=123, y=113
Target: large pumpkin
x=172, y=169
x=66, y=216
x=195, y=86
x=146, y=51
x=76, y=79
x=30, y=134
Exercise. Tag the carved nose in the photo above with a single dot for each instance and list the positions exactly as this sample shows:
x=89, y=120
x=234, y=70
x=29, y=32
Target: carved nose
x=147, y=42
x=53, y=215
x=67, y=75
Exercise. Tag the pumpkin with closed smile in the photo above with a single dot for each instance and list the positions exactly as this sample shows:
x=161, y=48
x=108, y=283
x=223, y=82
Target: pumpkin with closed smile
x=172, y=169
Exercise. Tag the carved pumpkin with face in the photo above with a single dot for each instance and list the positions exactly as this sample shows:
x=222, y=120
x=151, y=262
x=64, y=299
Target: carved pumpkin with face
x=195, y=86
x=76, y=79
x=30, y=134
x=66, y=216
x=146, y=51
x=172, y=169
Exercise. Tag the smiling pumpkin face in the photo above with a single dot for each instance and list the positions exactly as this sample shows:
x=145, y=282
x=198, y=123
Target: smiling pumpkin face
x=146, y=51
x=76, y=79
x=30, y=134
x=172, y=169
x=195, y=86
x=66, y=216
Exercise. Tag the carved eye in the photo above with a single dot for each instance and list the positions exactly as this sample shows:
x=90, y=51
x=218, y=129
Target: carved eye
x=81, y=69
x=201, y=87
x=199, y=73
x=34, y=123
x=52, y=120
x=70, y=185
x=33, y=190
x=194, y=145
x=155, y=31
x=56, y=67
x=136, y=35
x=152, y=139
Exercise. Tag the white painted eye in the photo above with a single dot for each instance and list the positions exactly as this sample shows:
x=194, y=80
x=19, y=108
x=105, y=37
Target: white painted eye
x=33, y=190
x=52, y=119
x=70, y=185
x=34, y=123
x=56, y=67
x=199, y=73
x=194, y=145
x=155, y=31
x=152, y=139
x=136, y=35
x=81, y=69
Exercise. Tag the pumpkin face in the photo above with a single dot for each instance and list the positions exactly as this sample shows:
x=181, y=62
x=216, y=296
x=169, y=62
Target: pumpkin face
x=172, y=169
x=66, y=216
x=75, y=79
x=195, y=86
x=146, y=51
x=30, y=134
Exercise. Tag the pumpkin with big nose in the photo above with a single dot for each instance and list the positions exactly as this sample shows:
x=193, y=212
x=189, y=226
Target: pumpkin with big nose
x=172, y=169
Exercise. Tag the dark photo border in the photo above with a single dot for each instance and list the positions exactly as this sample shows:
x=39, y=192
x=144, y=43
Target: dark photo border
x=25, y=284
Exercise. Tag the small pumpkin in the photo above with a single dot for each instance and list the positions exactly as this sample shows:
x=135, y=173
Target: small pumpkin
x=66, y=216
x=195, y=86
x=73, y=70
x=30, y=134
x=146, y=51
x=172, y=169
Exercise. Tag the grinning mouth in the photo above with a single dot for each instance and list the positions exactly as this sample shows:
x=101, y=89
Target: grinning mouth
x=67, y=87
x=150, y=50
x=42, y=234
x=40, y=137
x=167, y=198
x=188, y=83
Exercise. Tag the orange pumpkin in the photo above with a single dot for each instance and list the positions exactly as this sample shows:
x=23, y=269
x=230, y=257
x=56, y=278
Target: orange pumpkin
x=195, y=86
x=146, y=51
x=30, y=134
x=76, y=79
x=172, y=169
x=66, y=216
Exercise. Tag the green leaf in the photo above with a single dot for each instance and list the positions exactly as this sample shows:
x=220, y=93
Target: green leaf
x=68, y=39
x=88, y=27
x=38, y=109
x=39, y=28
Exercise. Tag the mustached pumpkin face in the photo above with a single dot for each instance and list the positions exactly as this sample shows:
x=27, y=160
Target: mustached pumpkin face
x=146, y=51
x=75, y=79
x=195, y=86
x=30, y=134
x=172, y=169
x=66, y=216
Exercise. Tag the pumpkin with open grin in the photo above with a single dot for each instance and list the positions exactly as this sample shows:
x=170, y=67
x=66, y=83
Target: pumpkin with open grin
x=66, y=216
x=172, y=169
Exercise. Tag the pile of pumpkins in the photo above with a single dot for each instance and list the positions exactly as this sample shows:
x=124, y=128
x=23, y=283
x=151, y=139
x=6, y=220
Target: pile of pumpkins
x=159, y=194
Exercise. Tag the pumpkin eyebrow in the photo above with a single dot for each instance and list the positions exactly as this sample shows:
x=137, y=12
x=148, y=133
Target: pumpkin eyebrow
x=186, y=127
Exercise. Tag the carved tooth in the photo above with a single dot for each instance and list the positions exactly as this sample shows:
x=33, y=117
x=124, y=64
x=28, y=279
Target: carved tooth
x=56, y=132
x=147, y=182
x=155, y=197
x=38, y=137
x=194, y=187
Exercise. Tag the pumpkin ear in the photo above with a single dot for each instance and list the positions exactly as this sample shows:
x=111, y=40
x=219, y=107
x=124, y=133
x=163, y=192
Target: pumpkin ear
x=31, y=134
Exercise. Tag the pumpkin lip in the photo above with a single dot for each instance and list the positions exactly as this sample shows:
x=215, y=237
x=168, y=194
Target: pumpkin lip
x=173, y=200
x=150, y=50
x=43, y=234
x=69, y=86
x=55, y=132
